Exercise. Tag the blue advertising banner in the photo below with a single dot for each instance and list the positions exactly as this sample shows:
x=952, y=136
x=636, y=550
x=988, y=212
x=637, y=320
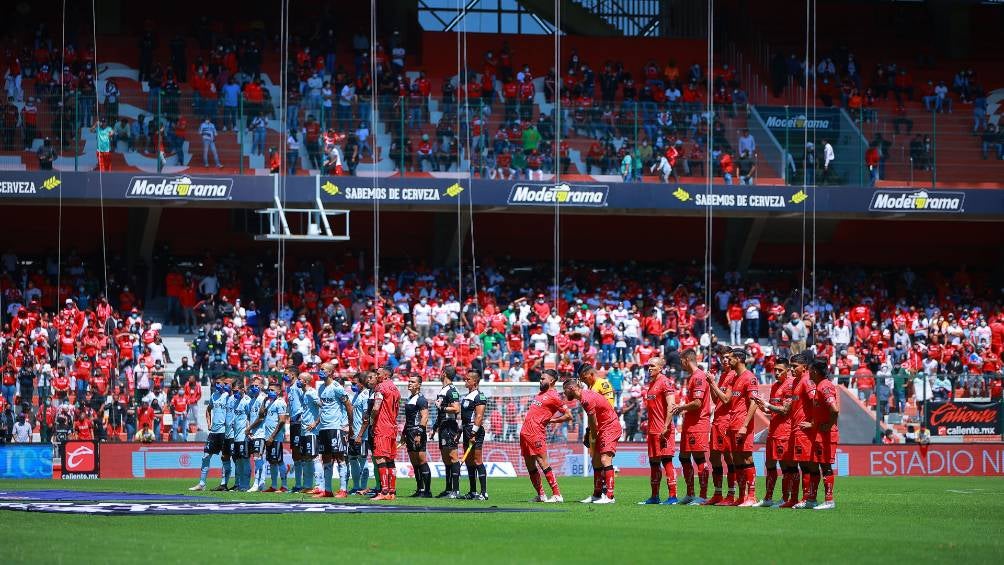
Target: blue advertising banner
x=124, y=189
x=28, y=461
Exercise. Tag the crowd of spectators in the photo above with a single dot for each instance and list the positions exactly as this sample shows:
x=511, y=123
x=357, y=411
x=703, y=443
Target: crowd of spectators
x=76, y=361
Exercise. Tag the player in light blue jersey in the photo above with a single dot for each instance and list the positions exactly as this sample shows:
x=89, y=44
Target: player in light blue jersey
x=256, y=432
x=294, y=398
x=309, y=420
x=275, y=432
x=242, y=470
x=229, y=433
x=357, y=447
x=332, y=439
x=217, y=428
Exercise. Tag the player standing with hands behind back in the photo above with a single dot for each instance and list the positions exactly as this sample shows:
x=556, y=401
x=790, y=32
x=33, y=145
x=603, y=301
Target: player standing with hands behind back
x=384, y=417
x=416, y=418
x=472, y=416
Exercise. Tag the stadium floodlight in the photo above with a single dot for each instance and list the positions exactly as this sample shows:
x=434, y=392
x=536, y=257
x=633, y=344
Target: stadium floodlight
x=316, y=220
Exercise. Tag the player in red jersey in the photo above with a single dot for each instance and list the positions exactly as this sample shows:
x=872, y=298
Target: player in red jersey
x=604, y=420
x=744, y=391
x=778, y=449
x=533, y=435
x=696, y=425
x=660, y=399
x=384, y=416
x=799, y=442
x=823, y=428
x=721, y=393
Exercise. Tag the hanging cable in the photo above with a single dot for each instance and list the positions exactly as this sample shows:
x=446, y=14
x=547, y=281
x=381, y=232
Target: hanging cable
x=101, y=180
x=62, y=112
x=805, y=138
x=462, y=90
x=815, y=55
x=556, y=151
x=467, y=137
x=280, y=243
x=373, y=121
x=709, y=178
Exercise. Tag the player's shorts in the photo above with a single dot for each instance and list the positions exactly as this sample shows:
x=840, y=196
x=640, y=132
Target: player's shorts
x=693, y=441
x=532, y=445
x=475, y=439
x=800, y=445
x=214, y=444
x=824, y=448
x=332, y=442
x=660, y=445
x=384, y=447
x=228, y=451
x=294, y=438
x=449, y=436
x=747, y=443
x=256, y=445
x=273, y=453
x=720, y=440
x=239, y=449
x=606, y=441
x=309, y=446
x=416, y=439
x=778, y=448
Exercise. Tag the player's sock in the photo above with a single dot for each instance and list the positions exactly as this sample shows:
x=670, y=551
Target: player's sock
x=318, y=471
x=364, y=474
x=426, y=473
x=535, y=480
x=716, y=476
x=354, y=471
x=343, y=476
x=654, y=477
x=732, y=479
x=283, y=473
x=597, y=481
x=227, y=469
x=273, y=471
x=552, y=481
x=806, y=485
x=382, y=474
x=297, y=474
x=391, y=477
x=790, y=483
x=702, y=477
x=772, y=481
x=205, y=468
x=813, y=486
x=456, y=477
x=449, y=477
x=483, y=478
x=472, y=476
x=329, y=471
x=608, y=480
x=828, y=486
x=670, y=472
x=259, y=464
x=750, y=479
x=739, y=477
x=688, y=475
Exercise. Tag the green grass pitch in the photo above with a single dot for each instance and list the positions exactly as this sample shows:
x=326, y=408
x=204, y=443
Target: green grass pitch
x=877, y=520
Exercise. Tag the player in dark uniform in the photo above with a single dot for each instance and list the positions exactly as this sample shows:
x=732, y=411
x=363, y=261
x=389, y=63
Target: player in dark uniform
x=472, y=415
x=416, y=419
x=448, y=404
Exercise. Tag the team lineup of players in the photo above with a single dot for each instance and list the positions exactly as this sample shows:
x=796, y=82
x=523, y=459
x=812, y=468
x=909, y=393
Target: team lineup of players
x=334, y=430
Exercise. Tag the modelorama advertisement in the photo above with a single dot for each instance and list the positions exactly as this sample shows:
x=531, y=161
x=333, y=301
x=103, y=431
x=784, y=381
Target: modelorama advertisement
x=182, y=460
x=432, y=193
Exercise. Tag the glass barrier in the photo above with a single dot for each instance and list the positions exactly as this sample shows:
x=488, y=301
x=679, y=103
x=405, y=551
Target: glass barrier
x=164, y=129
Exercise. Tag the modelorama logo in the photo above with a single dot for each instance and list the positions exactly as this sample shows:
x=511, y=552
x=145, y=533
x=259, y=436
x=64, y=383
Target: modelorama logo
x=572, y=195
x=27, y=186
x=180, y=188
x=918, y=201
x=797, y=122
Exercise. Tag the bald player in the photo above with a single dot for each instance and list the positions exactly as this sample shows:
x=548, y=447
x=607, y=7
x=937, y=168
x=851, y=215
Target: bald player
x=604, y=420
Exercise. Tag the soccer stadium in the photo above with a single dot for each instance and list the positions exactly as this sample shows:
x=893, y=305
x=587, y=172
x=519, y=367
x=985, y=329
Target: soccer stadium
x=502, y=281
